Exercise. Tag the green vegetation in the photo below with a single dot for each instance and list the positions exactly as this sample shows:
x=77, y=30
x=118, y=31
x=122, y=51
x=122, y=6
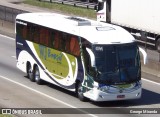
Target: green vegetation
x=5, y=115
x=64, y=9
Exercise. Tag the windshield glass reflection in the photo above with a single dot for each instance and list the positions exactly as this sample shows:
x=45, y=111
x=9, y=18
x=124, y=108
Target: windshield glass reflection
x=117, y=64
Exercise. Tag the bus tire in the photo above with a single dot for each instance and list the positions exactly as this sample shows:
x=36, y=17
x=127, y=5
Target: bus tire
x=36, y=75
x=29, y=71
x=80, y=92
x=158, y=45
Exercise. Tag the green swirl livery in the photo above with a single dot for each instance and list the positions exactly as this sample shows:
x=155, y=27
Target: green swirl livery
x=56, y=62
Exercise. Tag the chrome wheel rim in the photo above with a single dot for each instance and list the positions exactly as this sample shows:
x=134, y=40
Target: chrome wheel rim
x=37, y=76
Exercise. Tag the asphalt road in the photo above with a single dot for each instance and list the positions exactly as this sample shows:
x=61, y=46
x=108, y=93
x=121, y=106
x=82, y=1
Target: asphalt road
x=16, y=91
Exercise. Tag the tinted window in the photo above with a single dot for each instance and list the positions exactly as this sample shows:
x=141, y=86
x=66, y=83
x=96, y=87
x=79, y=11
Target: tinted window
x=44, y=36
x=49, y=37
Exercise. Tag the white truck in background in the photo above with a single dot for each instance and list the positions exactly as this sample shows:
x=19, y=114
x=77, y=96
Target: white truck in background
x=140, y=17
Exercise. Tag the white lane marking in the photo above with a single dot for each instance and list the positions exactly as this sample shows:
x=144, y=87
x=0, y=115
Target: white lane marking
x=48, y=96
x=13, y=56
x=151, y=81
x=7, y=37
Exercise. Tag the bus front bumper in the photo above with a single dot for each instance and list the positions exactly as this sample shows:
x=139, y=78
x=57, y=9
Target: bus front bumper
x=97, y=95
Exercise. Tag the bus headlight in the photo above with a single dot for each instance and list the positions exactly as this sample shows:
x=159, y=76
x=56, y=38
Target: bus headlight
x=140, y=84
x=95, y=85
x=104, y=88
x=101, y=87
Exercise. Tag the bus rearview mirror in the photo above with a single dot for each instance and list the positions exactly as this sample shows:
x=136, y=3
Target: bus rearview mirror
x=92, y=57
x=144, y=55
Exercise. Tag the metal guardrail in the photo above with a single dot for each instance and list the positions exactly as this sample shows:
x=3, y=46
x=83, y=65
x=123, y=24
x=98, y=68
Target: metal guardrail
x=9, y=14
x=75, y=3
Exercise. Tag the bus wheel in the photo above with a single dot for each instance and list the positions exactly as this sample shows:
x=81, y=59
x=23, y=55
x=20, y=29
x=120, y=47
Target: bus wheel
x=36, y=75
x=80, y=92
x=158, y=44
x=29, y=71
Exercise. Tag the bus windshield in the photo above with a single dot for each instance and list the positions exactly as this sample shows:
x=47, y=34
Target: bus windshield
x=117, y=64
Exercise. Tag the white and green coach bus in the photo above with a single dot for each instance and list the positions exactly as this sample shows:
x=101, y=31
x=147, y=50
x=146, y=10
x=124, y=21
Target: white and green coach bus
x=98, y=61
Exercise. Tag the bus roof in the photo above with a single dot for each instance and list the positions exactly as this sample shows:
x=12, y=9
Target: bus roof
x=95, y=32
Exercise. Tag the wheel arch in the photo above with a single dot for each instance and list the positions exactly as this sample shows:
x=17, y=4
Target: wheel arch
x=76, y=84
x=27, y=66
x=34, y=66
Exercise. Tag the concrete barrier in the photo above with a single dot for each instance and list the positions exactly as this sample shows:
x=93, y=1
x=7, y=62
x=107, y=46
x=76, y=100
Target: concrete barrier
x=9, y=14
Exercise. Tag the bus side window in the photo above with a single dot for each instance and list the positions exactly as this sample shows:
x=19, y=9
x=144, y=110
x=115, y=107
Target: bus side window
x=62, y=44
x=77, y=48
x=44, y=36
x=56, y=40
x=47, y=37
x=20, y=30
x=30, y=32
x=68, y=44
x=41, y=39
x=52, y=39
x=24, y=32
x=74, y=46
x=36, y=34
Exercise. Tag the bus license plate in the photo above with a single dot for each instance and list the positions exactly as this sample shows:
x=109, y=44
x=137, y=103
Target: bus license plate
x=120, y=96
